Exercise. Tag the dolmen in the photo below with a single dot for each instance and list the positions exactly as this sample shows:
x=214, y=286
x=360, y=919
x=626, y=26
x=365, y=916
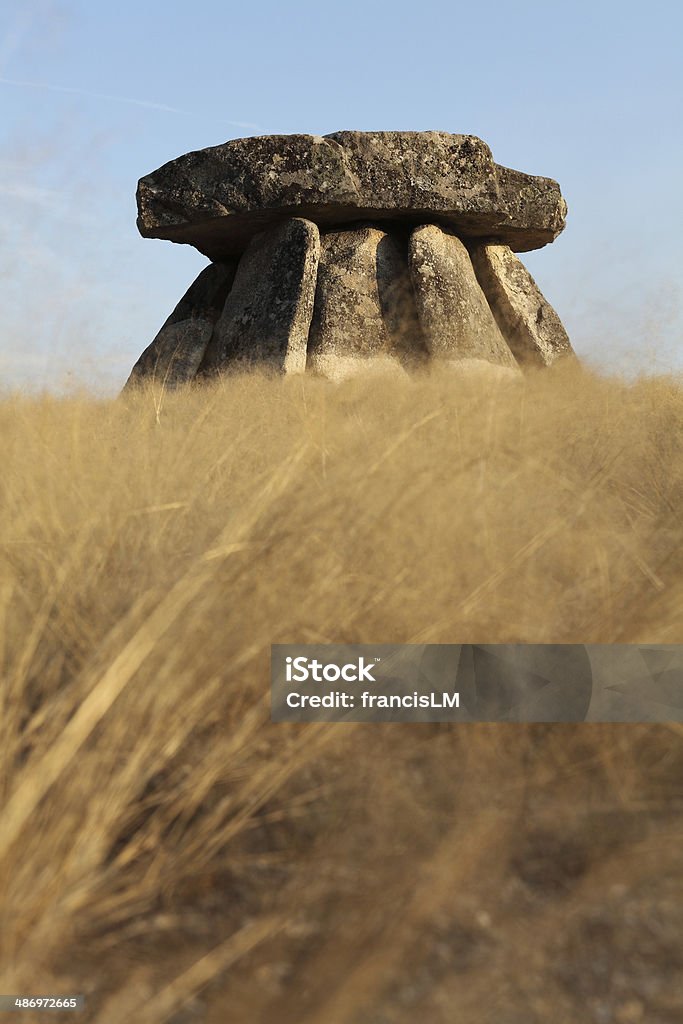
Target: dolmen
x=346, y=253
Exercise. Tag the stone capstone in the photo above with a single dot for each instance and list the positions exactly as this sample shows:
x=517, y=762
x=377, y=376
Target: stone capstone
x=353, y=253
x=216, y=199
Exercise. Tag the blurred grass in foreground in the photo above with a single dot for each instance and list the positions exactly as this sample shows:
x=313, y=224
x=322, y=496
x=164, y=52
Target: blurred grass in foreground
x=172, y=854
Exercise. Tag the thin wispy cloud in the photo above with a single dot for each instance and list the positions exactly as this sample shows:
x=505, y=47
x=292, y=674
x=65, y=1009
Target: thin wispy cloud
x=12, y=39
x=30, y=193
x=56, y=205
x=107, y=97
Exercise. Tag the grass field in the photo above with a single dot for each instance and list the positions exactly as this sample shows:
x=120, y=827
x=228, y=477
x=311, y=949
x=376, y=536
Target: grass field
x=171, y=854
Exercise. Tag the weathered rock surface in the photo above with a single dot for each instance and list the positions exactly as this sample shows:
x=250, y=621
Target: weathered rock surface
x=364, y=305
x=174, y=356
x=531, y=326
x=356, y=252
x=268, y=311
x=216, y=199
x=456, y=319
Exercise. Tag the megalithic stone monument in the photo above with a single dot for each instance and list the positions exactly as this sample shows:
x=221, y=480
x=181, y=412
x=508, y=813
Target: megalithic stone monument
x=349, y=252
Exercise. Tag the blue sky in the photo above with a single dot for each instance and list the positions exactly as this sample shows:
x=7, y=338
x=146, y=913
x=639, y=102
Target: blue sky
x=94, y=95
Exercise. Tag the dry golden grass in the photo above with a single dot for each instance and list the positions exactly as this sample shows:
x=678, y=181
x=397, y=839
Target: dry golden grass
x=172, y=854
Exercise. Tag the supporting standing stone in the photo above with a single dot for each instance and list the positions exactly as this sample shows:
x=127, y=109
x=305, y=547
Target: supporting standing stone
x=531, y=326
x=268, y=312
x=174, y=356
x=364, y=313
x=455, y=316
